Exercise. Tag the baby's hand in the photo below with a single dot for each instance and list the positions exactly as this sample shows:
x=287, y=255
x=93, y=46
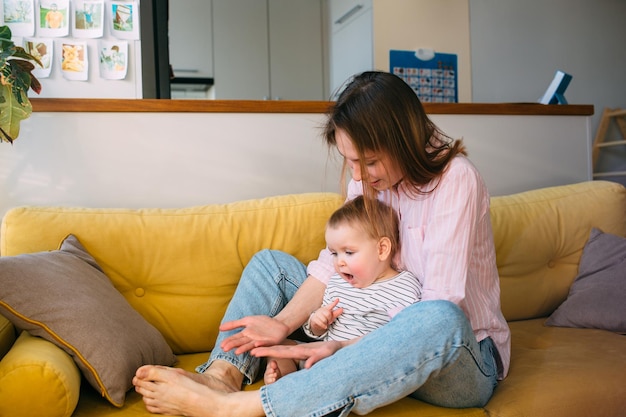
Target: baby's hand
x=323, y=317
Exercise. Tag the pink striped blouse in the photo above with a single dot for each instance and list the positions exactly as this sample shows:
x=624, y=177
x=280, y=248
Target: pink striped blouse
x=447, y=242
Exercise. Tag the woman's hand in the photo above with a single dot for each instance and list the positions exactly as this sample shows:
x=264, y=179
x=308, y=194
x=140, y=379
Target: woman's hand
x=267, y=331
x=257, y=331
x=309, y=352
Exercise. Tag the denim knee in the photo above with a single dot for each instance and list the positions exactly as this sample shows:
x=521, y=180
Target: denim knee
x=434, y=316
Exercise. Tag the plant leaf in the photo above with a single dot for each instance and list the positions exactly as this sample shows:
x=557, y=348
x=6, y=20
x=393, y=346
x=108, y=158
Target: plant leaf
x=7, y=46
x=12, y=113
x=5, y=33
x=35, y=85
x=16, y=78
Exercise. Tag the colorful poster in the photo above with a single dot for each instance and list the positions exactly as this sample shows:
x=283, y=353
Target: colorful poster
x=433, y=76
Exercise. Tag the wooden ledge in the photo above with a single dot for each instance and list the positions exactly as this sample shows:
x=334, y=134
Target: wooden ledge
x=282, y=106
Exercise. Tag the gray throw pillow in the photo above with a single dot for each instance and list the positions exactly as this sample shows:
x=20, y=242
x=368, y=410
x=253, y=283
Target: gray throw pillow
x=64, y=297
x=597, y=297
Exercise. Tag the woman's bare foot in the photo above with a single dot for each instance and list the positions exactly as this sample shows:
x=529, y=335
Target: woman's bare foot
x=221, y=376
x=170, y=391
x=212, y=379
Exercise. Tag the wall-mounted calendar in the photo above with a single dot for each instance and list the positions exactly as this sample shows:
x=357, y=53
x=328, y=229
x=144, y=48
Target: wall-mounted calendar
x=432, y=75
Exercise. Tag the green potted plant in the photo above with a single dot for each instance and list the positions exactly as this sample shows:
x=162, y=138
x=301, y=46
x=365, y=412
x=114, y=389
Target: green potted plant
x=16, y=78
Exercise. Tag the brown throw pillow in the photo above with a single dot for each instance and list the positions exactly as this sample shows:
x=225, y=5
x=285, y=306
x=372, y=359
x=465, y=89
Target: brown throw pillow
x=64, y=297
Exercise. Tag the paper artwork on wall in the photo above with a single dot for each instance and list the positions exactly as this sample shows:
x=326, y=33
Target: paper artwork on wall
x=113, y=60
x=19, y=16
x=42, y=49
x=88, y=19
x=74, y=61
x=125, y=20
x=53, y=18
x=64, y=35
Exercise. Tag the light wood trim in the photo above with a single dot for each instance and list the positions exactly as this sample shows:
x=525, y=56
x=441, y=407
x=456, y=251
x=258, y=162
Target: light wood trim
x=283, y=106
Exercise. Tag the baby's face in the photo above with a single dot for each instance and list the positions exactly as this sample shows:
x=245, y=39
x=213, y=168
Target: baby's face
x=355, y=255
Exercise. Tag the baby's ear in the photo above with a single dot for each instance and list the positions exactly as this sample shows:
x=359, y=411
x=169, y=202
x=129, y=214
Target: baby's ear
x=384, y=248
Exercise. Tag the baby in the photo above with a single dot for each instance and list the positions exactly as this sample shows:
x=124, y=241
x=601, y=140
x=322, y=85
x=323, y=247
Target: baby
x=367, y=289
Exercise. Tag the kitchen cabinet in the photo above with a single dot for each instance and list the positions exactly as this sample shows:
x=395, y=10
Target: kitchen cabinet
x=351, y=45
x=190, y=39
x=268, y=49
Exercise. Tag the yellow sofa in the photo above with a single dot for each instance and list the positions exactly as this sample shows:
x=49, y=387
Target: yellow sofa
x=179, y=267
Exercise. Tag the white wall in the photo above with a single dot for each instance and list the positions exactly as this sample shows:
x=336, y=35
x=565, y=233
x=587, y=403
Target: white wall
x=518, y=45
x=162, y=159
x=182, y=159
x=519, y=153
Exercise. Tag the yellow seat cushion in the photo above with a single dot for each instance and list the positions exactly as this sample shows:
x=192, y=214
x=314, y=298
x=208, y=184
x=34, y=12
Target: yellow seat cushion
x=562, y=372
x=7, y=335
x=92, y=406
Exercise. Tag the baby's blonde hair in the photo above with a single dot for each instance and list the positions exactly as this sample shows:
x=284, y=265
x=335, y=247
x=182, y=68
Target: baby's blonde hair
x=372, y=216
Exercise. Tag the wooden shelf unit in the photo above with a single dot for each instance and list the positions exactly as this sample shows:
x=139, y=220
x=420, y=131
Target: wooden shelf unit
x=618, y=116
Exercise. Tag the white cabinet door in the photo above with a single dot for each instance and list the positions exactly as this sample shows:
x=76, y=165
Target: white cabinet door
x=190, y=38
x=296, y=64
x=351, y=40
x=341, y=11
x=241, y=49
x=268, y=49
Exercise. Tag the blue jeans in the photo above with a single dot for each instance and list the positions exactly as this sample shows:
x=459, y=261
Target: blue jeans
x=268, y=282
x=428, y=351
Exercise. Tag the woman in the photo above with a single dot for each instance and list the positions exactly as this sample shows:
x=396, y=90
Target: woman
x=448, y=350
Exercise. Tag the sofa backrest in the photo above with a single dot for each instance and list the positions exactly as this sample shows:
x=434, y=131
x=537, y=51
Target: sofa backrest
x=180, y=267
x=177, y=267
x=539, y=237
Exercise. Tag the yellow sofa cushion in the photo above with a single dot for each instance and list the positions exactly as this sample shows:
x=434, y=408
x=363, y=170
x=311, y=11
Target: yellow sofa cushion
x=178, y=267
x=37, y=368
x=539, y=237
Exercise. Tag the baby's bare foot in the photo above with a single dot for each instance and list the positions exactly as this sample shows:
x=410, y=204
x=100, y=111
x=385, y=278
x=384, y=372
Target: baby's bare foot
x=272, y=373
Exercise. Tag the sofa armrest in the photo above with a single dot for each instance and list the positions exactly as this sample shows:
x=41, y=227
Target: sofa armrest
x=7, y=336
x=38, y=379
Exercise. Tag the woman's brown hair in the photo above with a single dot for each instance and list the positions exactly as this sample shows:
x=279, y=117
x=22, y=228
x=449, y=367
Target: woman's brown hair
x=382, y=114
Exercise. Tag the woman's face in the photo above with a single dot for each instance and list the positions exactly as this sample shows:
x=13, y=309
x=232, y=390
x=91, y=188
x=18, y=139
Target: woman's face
x=382, y=173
